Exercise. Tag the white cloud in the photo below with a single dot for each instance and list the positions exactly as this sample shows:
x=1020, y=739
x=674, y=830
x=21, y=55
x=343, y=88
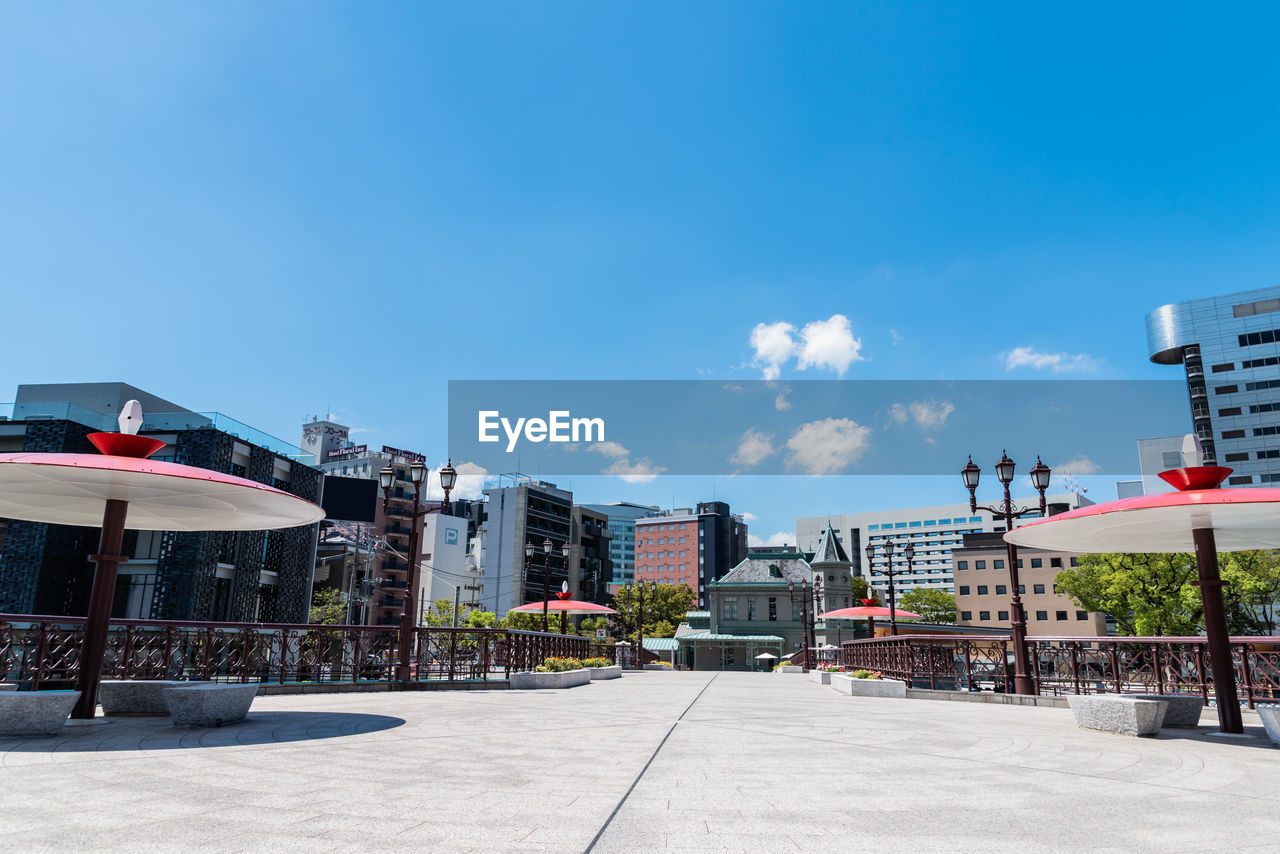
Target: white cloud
x=1030, y=357
x=1077, y=466
x=829, y=344
x=782, y=538
x=608, y=449
x=895, y=336
x=929, y=414
x=828, y=446
x=749, y=517
x=470, y=482
x=642, y=470
x=753, y=449
x=781, y=403
x=773, y=345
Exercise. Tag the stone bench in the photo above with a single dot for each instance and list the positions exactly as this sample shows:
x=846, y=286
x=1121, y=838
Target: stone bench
x=1183, y=711
x=208, y=704
x=35, y=712
x=1271, y=722
x=564, y=679
x=137, y=696
x=1120, y=714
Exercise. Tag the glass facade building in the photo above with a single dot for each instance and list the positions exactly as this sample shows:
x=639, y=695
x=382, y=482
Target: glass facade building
x=1229, y=350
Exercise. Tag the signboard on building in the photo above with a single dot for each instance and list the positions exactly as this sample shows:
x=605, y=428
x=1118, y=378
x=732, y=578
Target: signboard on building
x=408, y=455
x=348, y=451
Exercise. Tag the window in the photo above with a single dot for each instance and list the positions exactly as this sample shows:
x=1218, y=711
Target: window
x=1003, y=615
x=1036, y=563
x=964, y=590
x=1235, y=434
x=998, y=564
x=1056, y=562
x=979, y=564
x=1262, y=385
x=751, y=609
x=1002, y=590
x=1249, y=309
x=1252, y=339
x=966, y=616
x=797, y=612
x=982, y=590
x=1059, y=615
x=1237, y=458
x=984, y=615
x=1273, y=453
x=1039, y=588
x=1082, y=615
x=1226, y=389
x=773, y=610
x=1260, y=363
x=1042, y=615
x=1229, y=411
x=1236, y=481
x=1217, y=369
x=1022, y=590
x=1170, y=459
x=1075, y=561
x=962, y=564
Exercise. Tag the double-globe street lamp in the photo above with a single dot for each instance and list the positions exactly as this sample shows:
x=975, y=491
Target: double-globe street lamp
x=909, y=552
x=639, y=588
x=1040, y=473
x=408, y=616
x=529, y=549
x=807, y=613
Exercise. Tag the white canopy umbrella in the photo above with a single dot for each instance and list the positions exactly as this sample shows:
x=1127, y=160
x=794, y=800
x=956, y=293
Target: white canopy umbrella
x=765, y=655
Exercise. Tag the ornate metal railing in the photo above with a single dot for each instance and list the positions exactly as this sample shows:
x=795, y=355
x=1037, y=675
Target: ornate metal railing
x=1071, y=665
x=44, y=651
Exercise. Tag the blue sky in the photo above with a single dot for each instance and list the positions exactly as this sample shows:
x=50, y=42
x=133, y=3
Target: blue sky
x=276, y=209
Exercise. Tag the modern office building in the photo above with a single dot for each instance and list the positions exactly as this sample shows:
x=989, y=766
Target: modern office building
x=622, y=530
x=982, y=590
x=240, y=576
x=690, y=546
x=934, y=531
x=528, y=512
x=592, y=555
x=1229, y=350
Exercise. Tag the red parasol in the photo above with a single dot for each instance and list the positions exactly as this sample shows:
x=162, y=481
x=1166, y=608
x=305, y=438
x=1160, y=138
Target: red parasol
x=863, y=611
x=1199, y=517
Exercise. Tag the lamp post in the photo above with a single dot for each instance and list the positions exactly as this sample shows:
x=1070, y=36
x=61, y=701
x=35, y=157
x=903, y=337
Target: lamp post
x=408, y=617
x=1040, y=473
x=806, y=614
x=448, y=477
x=888, y=547
x=639, y=588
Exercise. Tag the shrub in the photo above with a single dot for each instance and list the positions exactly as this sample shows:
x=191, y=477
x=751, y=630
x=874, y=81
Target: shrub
x=596, y=662
x=866, y=674
x=558, y=665
x=830, y=668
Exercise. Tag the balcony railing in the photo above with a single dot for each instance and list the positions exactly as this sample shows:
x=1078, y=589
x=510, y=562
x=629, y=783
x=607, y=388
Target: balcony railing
x=1071, y=665
x=43, y=652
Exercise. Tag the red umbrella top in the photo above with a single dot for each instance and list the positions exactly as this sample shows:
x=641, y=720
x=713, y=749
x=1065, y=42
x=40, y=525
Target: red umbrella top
x=863, y=611
x=565, y=606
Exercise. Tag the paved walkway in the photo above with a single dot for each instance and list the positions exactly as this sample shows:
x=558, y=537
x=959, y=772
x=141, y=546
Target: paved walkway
x=650, y=762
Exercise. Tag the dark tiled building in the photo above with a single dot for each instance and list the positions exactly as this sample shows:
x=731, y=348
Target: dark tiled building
x=247, y=576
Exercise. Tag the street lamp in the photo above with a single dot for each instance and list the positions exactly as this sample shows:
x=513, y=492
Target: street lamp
x=408, y=621
x=448, y=477
x=909, y=551
x=1040, y=474
x=546, y=573
x=639, y=588
x=807, y=613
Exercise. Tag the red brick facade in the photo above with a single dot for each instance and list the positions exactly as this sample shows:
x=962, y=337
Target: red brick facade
x=667, y=550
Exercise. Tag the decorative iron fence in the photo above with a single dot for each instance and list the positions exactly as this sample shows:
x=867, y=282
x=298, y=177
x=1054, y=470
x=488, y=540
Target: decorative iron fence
x=1071, y=665
x=41, y=651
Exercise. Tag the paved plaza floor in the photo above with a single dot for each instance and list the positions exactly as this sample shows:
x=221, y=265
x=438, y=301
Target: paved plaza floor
x=650, y=762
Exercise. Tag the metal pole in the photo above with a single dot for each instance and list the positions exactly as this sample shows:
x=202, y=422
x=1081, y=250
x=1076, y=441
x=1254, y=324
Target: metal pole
x=407, y=616
x=457, y=603
x=640, y=629
x=93, y=646
x=1022, y=682
x=893, y=608
x=1215, y=630
x=546, y=585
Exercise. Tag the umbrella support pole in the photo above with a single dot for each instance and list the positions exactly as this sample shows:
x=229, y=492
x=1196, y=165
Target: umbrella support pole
x=93, y=647
x=1215, y=628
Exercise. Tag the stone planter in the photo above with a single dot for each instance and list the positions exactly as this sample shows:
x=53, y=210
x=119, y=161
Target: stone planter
x=35, y=712
x=869, y=687
x=820, y=676
x=611, y=672
x=1114, y=713
x=789, y=668
x=661, y=667
x=1271, y=721
x=566, y=679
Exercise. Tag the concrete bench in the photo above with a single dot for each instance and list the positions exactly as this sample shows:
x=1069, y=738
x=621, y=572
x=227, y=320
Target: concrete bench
x=138, y=696
x=35, y=712
x=208, y=704
x=1271, y=722
x=1184, y=709
x=1120, y=714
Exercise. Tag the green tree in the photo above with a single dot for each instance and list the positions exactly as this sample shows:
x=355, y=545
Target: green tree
x=936, y=606
x=327, y=607
x=1146, y=594
x=1252, y=587
x=478, y=619
x=858, y=586
x=441, y=613
x=663, y=603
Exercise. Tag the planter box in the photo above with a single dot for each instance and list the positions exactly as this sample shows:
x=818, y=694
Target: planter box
x=1114, y=713
x=1271, y=721
x=658, y=667
x=789, y=668
x=567, y=679
x=35, y=712
x=612, y=672
x=869, y=687
x=821, y=677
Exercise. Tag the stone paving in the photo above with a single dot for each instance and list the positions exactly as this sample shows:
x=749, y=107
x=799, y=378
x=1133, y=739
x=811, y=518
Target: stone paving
x=650, y=762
